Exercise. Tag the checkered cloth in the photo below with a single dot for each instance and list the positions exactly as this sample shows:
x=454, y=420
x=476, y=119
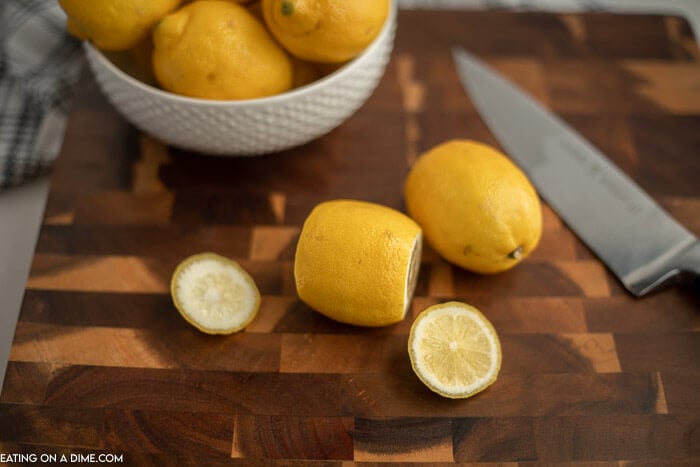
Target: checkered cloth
x=39, y=64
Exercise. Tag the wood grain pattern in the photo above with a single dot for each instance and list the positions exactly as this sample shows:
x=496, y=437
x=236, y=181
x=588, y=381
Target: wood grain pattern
x=102, y=363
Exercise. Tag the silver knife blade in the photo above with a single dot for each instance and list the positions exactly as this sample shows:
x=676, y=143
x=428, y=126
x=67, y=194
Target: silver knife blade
x=638, y=241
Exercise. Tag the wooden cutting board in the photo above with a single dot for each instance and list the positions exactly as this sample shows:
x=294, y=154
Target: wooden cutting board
x=102, y=363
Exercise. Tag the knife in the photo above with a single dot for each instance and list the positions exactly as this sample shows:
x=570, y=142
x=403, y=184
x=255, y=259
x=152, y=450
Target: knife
x=643, y=246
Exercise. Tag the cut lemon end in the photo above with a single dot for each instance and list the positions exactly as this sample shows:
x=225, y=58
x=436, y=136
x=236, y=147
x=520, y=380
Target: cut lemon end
x=412, y=274
x=214, y=294
x=454, y=350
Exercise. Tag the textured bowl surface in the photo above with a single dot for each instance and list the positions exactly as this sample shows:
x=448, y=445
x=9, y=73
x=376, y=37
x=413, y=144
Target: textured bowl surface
x=247, y=127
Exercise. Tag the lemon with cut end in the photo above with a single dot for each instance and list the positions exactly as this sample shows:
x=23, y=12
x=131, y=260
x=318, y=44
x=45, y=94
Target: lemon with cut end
x=357, y=262
x=115, y=24
x=214, y=294
x=454, y=350
x=328, y=31
x=214, y=49
x=477, y=208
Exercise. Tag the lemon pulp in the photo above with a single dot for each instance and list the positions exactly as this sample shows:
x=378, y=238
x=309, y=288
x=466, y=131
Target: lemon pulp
x=214, y=293
x=454, y=350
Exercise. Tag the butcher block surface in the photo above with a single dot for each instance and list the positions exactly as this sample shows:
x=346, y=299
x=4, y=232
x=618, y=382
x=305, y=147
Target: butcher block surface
x=102, y=363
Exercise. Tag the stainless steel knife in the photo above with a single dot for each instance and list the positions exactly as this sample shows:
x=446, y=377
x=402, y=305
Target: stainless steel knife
x=637, y=240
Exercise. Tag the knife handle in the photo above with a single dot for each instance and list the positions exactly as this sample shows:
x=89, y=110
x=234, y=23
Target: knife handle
x=682, y=269
x=692, y=266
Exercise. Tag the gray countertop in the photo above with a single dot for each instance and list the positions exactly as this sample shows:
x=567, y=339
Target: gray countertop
x=21, y=212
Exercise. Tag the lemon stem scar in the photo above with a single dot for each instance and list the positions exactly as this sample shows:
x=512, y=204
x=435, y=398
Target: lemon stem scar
x=516, y=254
x=287, y=8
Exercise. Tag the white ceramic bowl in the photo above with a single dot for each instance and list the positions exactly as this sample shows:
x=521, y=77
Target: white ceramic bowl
x=247, y=127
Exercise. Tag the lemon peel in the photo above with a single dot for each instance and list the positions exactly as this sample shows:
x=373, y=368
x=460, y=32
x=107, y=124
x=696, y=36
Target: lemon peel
x=115, y=25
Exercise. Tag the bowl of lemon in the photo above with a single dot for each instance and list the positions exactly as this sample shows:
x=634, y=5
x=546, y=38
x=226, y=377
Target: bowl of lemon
x=235, y=78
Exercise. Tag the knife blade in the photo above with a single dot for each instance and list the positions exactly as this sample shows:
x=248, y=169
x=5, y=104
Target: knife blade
x=640, y=243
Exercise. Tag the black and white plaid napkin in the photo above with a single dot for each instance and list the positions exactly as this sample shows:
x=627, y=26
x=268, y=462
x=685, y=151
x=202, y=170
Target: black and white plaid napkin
x=39, y=64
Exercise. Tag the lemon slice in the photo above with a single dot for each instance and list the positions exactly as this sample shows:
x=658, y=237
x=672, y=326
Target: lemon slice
x=214, y=293
x=454, y=350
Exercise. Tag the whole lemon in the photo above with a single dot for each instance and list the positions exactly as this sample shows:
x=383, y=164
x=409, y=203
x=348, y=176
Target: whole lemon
x=218, y=50
x=329, y=31
x=477, y=209
x=357, y=262
x=114, y=24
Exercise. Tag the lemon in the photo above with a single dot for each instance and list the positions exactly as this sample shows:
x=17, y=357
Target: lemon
x=329, y=31
x=218, y=50
x=114, y=24
x=454, y=350
x=357, y=262
x=476, y=208
x=214, y=293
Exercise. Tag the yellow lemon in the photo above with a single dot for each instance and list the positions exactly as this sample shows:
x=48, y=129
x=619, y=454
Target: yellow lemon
x=325, y=30
x=476, y=208
x=357, y=262
x=214, y=294
x=218, y=50
x=454, y=350
x=114, y=24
